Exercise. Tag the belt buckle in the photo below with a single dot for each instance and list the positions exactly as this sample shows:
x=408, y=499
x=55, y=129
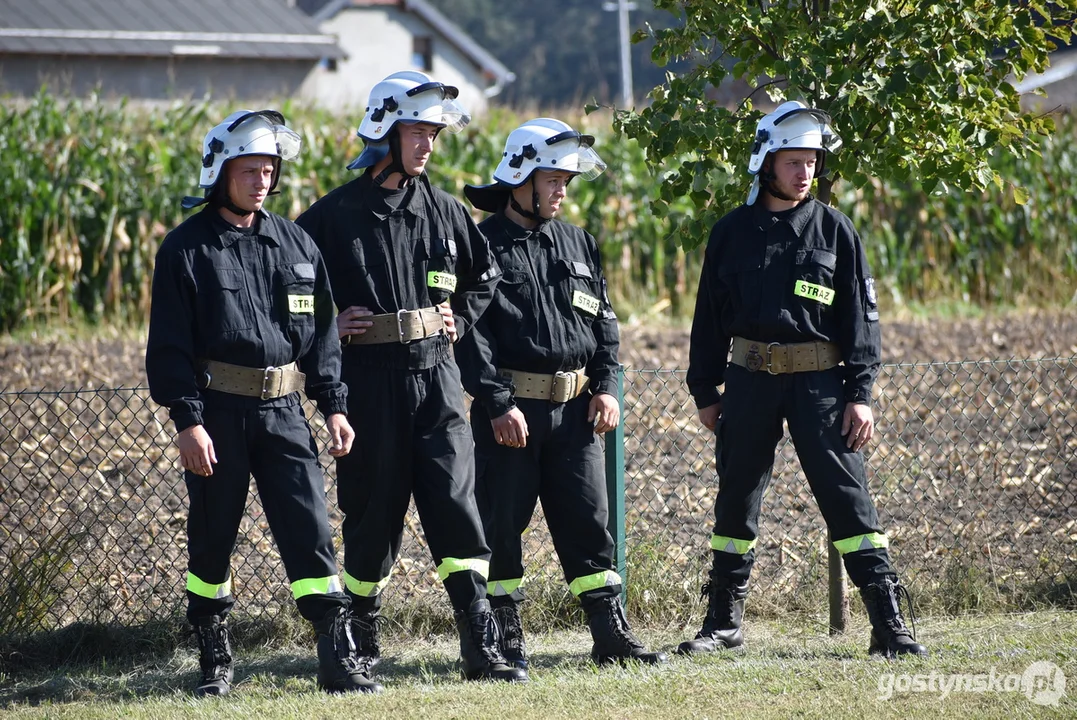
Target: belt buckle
x=566, y=381
x=752, y=359
x=400, y=326
x=770, y=357
x=265, y=383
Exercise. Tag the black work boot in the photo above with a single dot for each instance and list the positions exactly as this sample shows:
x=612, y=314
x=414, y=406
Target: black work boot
x=479, y=649
x=614, y=641
x=511, y=630
x=725, y=613
x=889, y=634
x=214, y=657
x=338, y=669
x=364, y=627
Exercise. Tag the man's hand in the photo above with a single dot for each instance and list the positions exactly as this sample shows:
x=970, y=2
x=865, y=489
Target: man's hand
x=341, y=432
x=859, y=424
x=196, y=450
x=604, y=412
x=350, y=321
x=510, y=429
x=450, y=322
x=708, y=416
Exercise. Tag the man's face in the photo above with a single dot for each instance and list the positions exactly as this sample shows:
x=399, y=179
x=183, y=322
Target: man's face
x=416, y=144
x=794, y=171
x=551, y=186
x=249, y=179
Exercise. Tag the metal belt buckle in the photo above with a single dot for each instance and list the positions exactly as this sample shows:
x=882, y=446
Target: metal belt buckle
x=400, y=326
x=564, y=386
x=265, y=383
x=770, y=357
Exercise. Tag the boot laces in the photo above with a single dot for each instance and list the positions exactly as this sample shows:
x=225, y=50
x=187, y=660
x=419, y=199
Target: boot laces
x=718, y=612
x=343, y=643
x=486, y=636
x=213, y=643
x=899, y=592
x=620, y=626
x=510, y=625
x=366, y=640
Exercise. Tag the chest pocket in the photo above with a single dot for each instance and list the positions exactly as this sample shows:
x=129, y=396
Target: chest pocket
x=295, y=288
x=583, y=289
x=225, y=303
x=814, y=276
x=440, y=268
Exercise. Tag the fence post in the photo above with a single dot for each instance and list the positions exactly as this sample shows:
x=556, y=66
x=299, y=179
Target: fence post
x=615, y=485
x=839, y=601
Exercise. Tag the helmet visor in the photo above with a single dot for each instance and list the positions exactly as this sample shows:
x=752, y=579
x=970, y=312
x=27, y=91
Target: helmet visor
x=453, y=115
x=288, y=142
x=589, y=164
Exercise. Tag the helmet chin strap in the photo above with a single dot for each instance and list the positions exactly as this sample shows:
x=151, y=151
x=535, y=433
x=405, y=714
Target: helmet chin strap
x=534, y=213
x=395, y=165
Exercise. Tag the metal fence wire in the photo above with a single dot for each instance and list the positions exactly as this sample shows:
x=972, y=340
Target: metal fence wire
x=973, y=471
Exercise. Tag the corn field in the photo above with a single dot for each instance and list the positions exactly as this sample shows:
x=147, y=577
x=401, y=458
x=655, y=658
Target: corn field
x=89, y=190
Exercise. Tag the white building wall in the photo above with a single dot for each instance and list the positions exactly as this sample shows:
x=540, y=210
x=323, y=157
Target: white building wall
x=378, y=41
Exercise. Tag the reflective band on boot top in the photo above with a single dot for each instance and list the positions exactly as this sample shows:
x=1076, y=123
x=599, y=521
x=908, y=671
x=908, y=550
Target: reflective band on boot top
x=363, y=588
x=215, y=591
x=731, y=545
x=870, y=541
x=449, y=566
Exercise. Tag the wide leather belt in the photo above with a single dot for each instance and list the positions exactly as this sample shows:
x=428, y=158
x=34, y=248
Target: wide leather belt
x=778, y=359
x=559, y=387
x=265, y=383
x=402, y=326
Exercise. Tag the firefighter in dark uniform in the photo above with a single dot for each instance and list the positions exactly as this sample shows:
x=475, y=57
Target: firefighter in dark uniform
x=542, y=366
x=787, y=296
x=241, y=321
x=410, y=274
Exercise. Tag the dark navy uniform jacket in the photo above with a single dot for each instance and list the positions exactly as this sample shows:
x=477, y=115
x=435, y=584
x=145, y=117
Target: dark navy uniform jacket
x=416, y=254
x=551, y=312
x=256, y=298
x=790, y=277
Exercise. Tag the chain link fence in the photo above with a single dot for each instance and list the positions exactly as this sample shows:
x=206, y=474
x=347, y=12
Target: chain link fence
x=973, y=470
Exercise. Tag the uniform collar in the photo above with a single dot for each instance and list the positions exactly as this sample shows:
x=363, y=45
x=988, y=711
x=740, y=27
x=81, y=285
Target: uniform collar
x=366, y=195
x=797, y=219
x=519, y=233
x=228, y=235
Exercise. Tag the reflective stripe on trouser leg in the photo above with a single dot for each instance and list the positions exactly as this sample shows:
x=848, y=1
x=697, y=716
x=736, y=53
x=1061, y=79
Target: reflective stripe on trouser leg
x=500, y=588
x=363, y=588
x=868, y=541
x=449, y=566
x=606, y=578
x=735, y=546
x=214, y=591
x=316, y=586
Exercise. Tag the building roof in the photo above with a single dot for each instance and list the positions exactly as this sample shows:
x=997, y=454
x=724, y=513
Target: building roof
x=155, y=28
x=322, y=10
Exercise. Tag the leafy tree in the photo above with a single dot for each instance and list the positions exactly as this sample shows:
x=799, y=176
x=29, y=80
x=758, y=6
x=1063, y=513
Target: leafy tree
x=918, y=89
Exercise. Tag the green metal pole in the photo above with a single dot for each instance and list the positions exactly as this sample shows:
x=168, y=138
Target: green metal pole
x=615, y=485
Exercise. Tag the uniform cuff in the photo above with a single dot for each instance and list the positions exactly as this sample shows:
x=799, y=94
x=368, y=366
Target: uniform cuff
x=606, y=385
x=499, y=404
x=858, y=395
x=336, y=406
x=184, y=419
x=706, y=398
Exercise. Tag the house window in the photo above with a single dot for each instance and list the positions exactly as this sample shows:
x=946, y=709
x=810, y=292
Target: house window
x=422, y=52
x=329, y=64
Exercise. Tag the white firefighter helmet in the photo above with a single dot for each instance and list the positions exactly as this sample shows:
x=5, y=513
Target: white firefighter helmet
x=539, y=144
x=791, y=126
x=244, y=132
x=411, y=97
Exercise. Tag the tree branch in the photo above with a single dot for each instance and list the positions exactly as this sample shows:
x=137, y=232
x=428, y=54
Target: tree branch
x=753, y=92
x=770, y=50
